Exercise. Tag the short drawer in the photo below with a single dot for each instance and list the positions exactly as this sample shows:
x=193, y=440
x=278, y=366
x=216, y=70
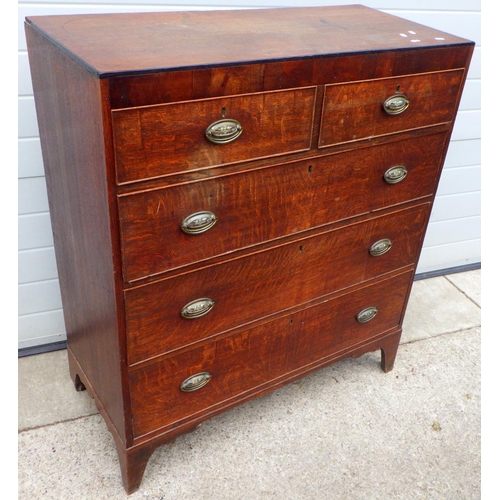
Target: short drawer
x=357, y=110
x=179, y=311
x=246, y=363
x=239, y=210
x=154, y=141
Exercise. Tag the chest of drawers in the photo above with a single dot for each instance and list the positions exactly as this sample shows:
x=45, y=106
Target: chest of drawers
x=237, y=198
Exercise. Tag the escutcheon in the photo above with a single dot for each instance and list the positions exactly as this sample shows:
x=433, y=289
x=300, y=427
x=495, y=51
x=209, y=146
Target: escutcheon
x=396, y=104
x=223, y=131
x=198, y=222
x=380, y=247
x=395, y=174
x=197, y=308
x=195, y=382
x=367, y=314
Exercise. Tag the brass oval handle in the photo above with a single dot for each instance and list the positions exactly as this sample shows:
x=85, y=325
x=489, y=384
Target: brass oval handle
x=223, y=131
x=395, y=174
x=380, y=247
x=195, y=382
x=198, y=222
x=396, y=104
x=367, y=314
x=197, y=308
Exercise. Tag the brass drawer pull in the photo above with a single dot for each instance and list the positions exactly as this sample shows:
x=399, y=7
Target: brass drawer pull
x=396, y=104
x=395, y=174
x=195, y=382
x=197, y=308
x=223, y=131
x=380, y=247
x=198, y=222
x=367, y=314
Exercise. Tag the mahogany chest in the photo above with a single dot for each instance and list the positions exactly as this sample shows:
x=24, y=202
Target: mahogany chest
x=238, y=198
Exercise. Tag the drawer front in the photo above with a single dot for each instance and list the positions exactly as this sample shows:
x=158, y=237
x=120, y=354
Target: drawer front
x=355, y=110
x=246, y=362
x=260, y=205
x=154, y=141
x=226, y=295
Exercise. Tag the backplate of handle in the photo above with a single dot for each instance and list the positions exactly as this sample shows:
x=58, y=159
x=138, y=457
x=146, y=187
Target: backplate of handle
x=367, y=314
x=380, y=247
x=395, y=174
x=195, y=382
x=223, y=131
x=197, y=308
x=198, y=222
x=396, y=104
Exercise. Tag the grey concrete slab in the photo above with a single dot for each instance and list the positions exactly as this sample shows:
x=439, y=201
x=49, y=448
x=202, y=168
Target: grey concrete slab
x=348, y=431
x=436, y=306
x=46, y=393
x=469, y=283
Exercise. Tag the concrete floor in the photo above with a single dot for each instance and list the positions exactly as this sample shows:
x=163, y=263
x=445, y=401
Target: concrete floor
x=347, y=432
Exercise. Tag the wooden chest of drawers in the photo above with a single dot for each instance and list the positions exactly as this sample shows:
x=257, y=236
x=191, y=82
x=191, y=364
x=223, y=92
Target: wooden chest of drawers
x=237, y=198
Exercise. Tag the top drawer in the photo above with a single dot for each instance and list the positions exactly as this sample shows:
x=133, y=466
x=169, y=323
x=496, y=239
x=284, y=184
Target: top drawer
x=154, y=141
x=354, y=111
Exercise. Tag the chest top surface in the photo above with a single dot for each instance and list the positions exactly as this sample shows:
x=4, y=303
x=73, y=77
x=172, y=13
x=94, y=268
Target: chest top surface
x=119, y=44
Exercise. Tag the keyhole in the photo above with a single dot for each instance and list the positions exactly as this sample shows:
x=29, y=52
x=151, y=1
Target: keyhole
x=300, y=249
x=397, y=88
x=223, y=112
x=310, y=168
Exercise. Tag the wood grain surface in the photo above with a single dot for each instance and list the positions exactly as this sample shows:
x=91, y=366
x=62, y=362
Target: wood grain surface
x=263, y=283
x=68, y=100
x=110, y=44
x=246, y=361
x=355, y=111
x=154, y=141
x=257, y=206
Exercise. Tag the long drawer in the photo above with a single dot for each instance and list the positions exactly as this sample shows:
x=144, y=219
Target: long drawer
x=359, y=110
x=239, y=210
x=176, y=312
x=246, y=362
x=153, y=141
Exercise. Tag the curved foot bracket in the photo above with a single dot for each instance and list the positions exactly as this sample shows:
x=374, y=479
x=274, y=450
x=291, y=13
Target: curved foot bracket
x=133, y=464
x=388, y=346
x=389, y=349
x=133, y=461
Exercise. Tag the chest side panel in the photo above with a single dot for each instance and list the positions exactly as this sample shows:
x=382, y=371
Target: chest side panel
x=72, y=133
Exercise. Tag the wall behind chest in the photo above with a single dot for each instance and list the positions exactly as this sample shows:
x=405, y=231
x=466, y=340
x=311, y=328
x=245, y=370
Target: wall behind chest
x=453, y=237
